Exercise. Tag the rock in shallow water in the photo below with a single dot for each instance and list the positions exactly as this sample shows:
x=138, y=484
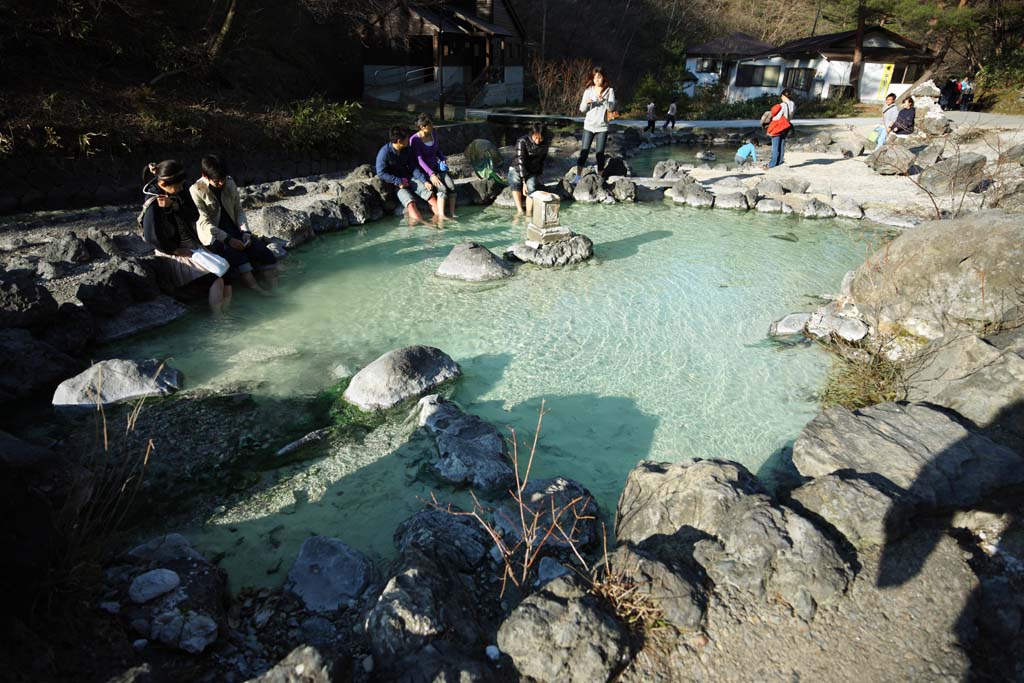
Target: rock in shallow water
x=399, y=375
x=327, y=574
x=116, y=380
x=153, y=584
x=793, y=323
x=470, y=450
x=576, y=249
x=474, y=263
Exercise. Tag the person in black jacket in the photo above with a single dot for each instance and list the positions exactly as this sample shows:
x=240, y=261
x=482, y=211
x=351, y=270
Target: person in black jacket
x=904, y=124
x=169, y=226
x=528, y=167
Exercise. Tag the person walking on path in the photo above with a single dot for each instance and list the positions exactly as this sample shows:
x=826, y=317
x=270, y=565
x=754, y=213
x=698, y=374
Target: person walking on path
x=670, y=117
x=168, y=222
x=966, y=93
x=222, y=227
x=426, y=146
x=524, y=175
x=889, y=112
x=598, y=104
x=780, y=126
x=652, y=117
x=396, y=166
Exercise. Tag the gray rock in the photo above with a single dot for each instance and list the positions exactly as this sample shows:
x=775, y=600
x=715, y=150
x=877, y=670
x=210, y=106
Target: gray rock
x=617, y=166
x=773, y=553
x=24, y=303
x=30, y=367
x=915, y=447
x=478, y=191
x=815, y=208
x=928, y=279
x=505, y=200
x=576, y=249
x=470, y=451
x=851, y=148
x=140, y=317
x=794, y=185
x=932, y=154
x=731, y=200
x=891, y=160
x=326, y=215
x=362, y=203
x=866, y=516
x=926, y=89
x=165, y=548
x=694, y=195
x=291, y=227
x=68, y=248
x=591, y=189
x=49, y=270
x=454, y=541
x=571, y=503
x=847, y=207
x=328, y=575
x=624, y=190
x=474, y=263
x=771, y=187
x=560, y=633
x=1009, y=197
x=198, y=631
x=407, y=614
x=111, y=381
x=933, y=126
x=153, y=584
x=399, y=375
x=304, y=664
x=549, y=569
x=960, y=173
x=793, y=323
x=976, y=379
x=440, y=662
x=117, y=284
x=659, y=499
x=667, y=168
x=675, y=590
x=1014, y=155
x=824, y=324
x=769, y=206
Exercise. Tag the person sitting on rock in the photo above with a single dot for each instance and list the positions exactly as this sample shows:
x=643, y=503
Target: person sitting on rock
x=168, y=222
x=528, y=166
x=889, y=113
x=223, y=229
x=747, y=153
x=426, y=146
x=396, y=166
x=904, y=123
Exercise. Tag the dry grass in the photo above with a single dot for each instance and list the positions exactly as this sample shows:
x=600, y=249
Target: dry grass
x=614, y=583
x=863, y=378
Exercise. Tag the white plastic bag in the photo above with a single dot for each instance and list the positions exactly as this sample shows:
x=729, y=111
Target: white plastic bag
x=210, y=262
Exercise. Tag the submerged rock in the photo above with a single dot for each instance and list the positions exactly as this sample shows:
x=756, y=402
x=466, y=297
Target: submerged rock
x=138, y=318
x=561, y=633
x=399, y=375
x=328, y=574
x=115, y=380
x=470, y=450
x=474, y=263
x=793, y=323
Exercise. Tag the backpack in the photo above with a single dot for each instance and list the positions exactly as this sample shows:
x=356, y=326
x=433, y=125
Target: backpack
x=766, y=118
x=145, y=208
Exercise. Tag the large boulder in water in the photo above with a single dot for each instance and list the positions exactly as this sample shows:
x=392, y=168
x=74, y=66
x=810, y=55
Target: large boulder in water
x=591, y=189
x=946, y=273
x=473, y=262
x=115, y=380
x=328, y=575
x=576, y=249
x=399, y=375
x=470, y=450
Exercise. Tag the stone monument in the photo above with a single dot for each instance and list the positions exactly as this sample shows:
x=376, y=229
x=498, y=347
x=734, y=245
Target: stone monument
x=543, y=227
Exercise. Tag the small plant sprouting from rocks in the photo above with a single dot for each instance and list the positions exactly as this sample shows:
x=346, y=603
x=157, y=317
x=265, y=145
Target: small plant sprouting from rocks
x=863, y=377
x=535, y=527
x=616, y=585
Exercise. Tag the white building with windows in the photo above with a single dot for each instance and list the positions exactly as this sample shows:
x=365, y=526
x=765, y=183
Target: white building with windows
x=817, y=67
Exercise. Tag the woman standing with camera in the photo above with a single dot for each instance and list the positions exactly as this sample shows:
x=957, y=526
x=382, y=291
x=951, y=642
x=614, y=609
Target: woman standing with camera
x=598, y=105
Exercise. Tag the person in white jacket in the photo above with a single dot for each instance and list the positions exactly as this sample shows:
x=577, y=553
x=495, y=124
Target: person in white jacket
x=598, y=105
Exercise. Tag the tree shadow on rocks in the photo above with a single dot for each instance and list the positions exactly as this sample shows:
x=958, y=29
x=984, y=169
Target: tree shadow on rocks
x=985, y=499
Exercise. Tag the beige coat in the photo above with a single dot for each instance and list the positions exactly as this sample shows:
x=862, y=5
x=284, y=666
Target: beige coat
x=210, y=207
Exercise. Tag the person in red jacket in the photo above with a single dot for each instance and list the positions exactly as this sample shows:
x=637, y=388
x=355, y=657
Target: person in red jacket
x=780, y=126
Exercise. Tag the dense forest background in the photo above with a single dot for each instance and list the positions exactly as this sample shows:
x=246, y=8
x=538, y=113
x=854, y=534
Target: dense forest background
x=86, y=77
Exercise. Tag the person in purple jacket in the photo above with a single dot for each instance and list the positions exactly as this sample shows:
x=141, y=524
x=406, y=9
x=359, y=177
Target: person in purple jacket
x=426, y=147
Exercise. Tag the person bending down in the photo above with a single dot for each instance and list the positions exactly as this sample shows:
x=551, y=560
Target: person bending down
x=528, y=167
x=397, y=166
x=223, y=228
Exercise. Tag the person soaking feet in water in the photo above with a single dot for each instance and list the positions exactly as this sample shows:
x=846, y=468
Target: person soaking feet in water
x=397, y=167
x=524, y=176
x=426, y=146
x=223, y=229
x=168, y=222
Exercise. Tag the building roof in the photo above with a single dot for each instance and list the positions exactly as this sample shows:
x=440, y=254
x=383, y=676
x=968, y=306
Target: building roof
x=878, y=42
x=734, y=45
x=451, y=20
x=491, y=29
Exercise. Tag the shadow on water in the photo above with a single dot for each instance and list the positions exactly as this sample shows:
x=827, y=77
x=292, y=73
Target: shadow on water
x=363, y=504
x=985, y=636
x=628, y=246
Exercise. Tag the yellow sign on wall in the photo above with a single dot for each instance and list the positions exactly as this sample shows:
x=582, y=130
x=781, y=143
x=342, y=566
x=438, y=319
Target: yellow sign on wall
x=883, y=87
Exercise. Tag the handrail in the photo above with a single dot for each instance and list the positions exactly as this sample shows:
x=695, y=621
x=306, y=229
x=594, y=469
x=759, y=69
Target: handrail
x=396, y=75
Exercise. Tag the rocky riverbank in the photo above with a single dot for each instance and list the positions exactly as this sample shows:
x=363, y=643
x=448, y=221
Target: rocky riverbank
x=896, y=551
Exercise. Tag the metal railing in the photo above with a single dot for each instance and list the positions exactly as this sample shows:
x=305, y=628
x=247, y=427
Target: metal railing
x=400, y=76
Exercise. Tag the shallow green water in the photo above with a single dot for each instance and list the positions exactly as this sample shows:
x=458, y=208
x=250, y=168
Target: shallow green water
x=644, y=162
x=656, y=349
